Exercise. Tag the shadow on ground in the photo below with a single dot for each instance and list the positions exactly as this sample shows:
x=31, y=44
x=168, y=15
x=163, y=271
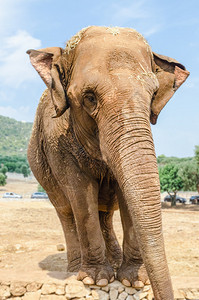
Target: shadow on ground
x=187, y=207
x=56, y=264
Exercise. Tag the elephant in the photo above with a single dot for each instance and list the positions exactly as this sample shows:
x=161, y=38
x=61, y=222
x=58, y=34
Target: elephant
x=92, y=150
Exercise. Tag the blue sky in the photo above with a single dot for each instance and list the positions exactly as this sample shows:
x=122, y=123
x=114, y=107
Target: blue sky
x=171, y=28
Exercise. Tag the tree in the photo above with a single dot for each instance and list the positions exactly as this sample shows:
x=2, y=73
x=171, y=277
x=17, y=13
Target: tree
x=3, y=170
x=190, y=176
x=170, y=181
x=14, y=163
x=2, y=179
x=24, y=170
x=197, y=163
x=197, y=154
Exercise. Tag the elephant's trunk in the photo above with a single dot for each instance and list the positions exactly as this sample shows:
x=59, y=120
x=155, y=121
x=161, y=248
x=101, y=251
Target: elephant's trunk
x=127, y=147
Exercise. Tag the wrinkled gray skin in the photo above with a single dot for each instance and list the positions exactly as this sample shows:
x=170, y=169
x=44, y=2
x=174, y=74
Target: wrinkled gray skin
x=92, y=148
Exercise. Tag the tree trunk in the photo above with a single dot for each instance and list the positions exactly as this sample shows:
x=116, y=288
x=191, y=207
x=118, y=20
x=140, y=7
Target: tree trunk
x=173, y=200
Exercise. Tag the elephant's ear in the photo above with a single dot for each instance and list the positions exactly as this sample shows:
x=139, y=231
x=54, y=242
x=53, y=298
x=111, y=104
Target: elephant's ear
x=49, y=64
x=170, y=74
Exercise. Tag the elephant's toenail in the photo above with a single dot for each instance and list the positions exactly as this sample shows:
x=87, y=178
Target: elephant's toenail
x=88, y=280
x=126, y=282
x=102, y=282
x=138, y=284
x=147, y=282
x=112, y=278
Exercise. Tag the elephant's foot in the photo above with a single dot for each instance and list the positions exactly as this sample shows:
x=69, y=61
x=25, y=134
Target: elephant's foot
x=74, y=261
x=100, y=275
x=114, y=255
x=133, y=274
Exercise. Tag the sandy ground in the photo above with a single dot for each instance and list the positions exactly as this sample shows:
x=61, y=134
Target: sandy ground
x=30, y=232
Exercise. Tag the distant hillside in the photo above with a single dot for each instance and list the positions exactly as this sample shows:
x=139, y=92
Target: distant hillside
x=164, y=160
x=14, y=136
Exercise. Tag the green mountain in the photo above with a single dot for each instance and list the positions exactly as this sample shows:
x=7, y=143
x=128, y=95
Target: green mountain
x=14, y=136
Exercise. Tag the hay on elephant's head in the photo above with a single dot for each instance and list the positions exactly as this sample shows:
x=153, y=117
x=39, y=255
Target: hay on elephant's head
x=73, y=42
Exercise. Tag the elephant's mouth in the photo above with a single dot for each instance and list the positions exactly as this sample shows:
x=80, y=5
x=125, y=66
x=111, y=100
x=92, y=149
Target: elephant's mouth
x=153, y=118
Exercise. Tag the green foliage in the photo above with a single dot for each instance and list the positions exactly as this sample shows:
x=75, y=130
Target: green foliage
x=14, y=163
x=40, y=188
x=24, y=170
x=197, y=155
x=190, y=176
x=188, y=170
x=164, y=160
x=197, y=164
x=2, y=179
x=14, y=136
x=170, y=181
x=3, y=170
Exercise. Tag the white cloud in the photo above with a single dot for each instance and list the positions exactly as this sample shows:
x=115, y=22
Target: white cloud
x=21, y=113
x=11, y=12
x=15, y=67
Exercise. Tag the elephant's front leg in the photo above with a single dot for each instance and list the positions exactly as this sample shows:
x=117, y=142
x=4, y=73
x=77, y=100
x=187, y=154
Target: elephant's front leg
x=83, y=194
x=113, y=250
x=132, y=271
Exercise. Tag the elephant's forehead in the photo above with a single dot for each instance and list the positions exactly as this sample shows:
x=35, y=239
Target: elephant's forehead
x=103, y=40
x=113, y=33
x=108, y=52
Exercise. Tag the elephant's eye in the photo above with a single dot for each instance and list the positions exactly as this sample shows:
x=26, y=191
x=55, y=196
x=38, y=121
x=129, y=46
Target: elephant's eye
x=89, y=102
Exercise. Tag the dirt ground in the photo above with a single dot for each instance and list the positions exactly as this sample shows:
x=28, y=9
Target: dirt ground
x=30, y=232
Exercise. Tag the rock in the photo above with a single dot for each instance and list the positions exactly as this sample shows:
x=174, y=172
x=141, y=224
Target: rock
x=120, y=289
x=52, y=297
x=32, y=295
x=70, y=279
x=130, y=297
x=116, y=284
x=60, y=247
x=60, y=290
x=195, y=293
x=130, y=290
x=48, y=288
x=94, y=295
x=150, y=295
x=96, y=287
x=17, y=246
x=123, y=296
x=18, y=288
x=102, y=295
x=146, y=288
x=4, y=292
x=105, y=288
x=5, y=283
x=140, y=295
x=33, y=286
x=178, y=294
x=76, y=289
x=113, y=293
x=189, y=295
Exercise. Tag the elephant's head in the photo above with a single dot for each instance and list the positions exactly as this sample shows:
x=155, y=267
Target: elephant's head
x=115, y=86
